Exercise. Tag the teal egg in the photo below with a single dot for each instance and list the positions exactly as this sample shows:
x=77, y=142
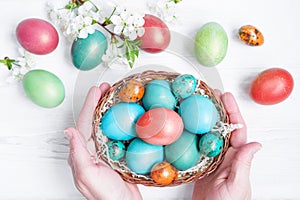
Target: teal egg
x=158, y=94
x=141, y=156
x=116, y=149
x=211, y=43
x=184, y=85
x=211, y=144
x=199, y=114
x=43, y=88
x=87, y=52
x=119, y=122
x=183, y=153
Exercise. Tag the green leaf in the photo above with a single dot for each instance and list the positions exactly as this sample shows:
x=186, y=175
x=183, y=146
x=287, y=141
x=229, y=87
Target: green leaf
x=8, y=62
x=71, y=5
x=138, y=42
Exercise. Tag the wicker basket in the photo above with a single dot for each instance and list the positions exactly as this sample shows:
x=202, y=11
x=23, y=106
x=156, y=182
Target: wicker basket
x=205, y=165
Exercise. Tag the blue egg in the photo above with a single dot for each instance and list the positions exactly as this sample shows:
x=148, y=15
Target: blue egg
x=183, y=153
x=141, y=156
x=184, y=86
x=199, y=114
x=119, y=122
x=211, y=144
x=158, y=94
x=87, y=52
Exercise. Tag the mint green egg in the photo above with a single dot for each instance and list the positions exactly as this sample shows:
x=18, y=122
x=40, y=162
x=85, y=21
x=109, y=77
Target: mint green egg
x=211, y=43
x=43, y=88
x=183, y=153
x=87, y=52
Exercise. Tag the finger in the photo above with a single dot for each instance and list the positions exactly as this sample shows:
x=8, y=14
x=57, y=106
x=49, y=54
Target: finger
x=84, y=122
x=104, y=87
x=241, y=164
x=239, y=136
x=218, y=92
x=79, y=157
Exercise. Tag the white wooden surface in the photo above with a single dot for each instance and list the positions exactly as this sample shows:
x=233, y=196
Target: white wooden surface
x=33, y=149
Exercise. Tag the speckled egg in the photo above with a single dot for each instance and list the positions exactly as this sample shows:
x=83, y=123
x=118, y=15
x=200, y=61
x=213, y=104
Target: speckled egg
x=158, y=94
x=250, y=35
x=211, y=43
x=164, y=173
x=141, y=156
x=116, y=149
x=132, y=91
x=199, y=114
x=183, y=153
x=184, y=85
x=118, y=123
x=87, y=52
x=160, y=126
x=43, y=88
x=211, y=144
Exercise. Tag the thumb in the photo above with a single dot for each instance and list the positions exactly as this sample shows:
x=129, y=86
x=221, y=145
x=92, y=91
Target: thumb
x=241, y=164
x=79, y=157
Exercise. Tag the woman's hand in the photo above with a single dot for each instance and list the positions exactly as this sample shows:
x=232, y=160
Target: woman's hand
x=95, y=180
x=231, y=180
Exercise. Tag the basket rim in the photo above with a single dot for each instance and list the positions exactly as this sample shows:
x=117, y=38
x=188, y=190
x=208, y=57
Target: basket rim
x=151, y=75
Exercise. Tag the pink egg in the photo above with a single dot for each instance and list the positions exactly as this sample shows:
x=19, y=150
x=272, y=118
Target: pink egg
x=37, y=36
x=159, y=126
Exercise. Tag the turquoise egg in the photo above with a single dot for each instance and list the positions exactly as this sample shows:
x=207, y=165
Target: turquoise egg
x=141, y=156
x=118, y=123
x=158, y=94
x=199, y=114
x=43, y=88
x=211, y=44
x=87, y=52
x=211, y=144
x=183, y=153
x=184, y=85
x=116, y=150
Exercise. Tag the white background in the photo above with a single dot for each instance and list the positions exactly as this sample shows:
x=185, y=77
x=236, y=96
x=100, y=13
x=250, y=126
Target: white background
x=33, y=149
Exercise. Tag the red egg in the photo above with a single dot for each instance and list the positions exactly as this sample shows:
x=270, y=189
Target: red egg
x=37, y=36
x=157, y=35
x=160, y=126
x=271, y=86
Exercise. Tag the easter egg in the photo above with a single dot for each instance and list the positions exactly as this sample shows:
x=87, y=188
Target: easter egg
x=116, y=149
x=199, y=114
x=132, y=91
x=37, y=36
x=118, y=123
x=87, y=52
x=157, y=35
x=43, y=88
x=211, y=144
x=183, y=153
x=160, y=126
x=158, y=94
x=251, y=35
x=271, y=86
x=141, y=156
x=211, y=44
x=184, y=85
x=164, y=173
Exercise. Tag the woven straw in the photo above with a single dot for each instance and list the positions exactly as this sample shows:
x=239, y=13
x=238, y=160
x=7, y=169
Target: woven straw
x=205, y=165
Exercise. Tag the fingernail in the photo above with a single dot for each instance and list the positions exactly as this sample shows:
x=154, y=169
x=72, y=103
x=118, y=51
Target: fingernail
x=68, y=134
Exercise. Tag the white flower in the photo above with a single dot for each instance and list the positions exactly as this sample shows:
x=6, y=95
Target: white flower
x=165, y=9
x=129, y=24
x=21, y=66
x=114, y=54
